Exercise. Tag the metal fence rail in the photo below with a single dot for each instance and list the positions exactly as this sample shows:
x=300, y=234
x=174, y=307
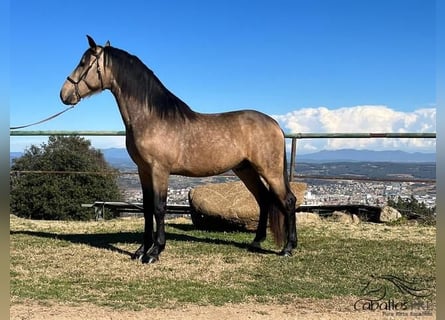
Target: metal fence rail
x=298, y=136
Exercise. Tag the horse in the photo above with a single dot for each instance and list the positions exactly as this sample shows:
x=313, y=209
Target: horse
x=165, y=136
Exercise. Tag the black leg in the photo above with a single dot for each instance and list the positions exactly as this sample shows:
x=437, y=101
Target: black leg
x=252, y=181
x=261, y=231
x=290, y=225
x=160, y=202
x=154, y=192
x=147, y=240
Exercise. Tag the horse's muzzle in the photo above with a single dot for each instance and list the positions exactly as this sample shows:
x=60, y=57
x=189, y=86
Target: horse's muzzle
x=68, y=97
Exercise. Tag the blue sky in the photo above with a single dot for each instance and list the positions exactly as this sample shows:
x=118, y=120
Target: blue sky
x=315, y=65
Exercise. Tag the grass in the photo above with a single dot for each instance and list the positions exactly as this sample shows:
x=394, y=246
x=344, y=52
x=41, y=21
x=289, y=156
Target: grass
x=76, y=262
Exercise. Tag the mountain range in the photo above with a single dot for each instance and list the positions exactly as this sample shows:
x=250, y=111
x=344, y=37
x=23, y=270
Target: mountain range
x=366, y=156
x=119, y=157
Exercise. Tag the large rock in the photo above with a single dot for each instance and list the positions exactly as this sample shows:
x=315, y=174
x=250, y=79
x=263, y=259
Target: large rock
x=344, y=217
x=229, y=206
x=308, y=218
x=389, y=214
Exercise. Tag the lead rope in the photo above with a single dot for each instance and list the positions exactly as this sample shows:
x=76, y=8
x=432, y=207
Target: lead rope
x=41, y=121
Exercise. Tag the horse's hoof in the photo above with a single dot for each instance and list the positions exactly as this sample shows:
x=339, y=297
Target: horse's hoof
x=149, y=259
x=286, y=253
x=255, y=247
x=136, y=256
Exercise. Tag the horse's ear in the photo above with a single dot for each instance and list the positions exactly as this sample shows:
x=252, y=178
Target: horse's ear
x=107, y=44
x=91, y=42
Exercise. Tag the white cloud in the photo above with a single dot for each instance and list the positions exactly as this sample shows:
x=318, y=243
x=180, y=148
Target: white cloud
x=361, y=119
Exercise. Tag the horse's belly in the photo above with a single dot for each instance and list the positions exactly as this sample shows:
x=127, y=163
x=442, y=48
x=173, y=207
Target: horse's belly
x=208, y=161
x=205, y=166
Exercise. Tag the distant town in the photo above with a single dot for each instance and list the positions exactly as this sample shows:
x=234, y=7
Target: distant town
x=382, y=183
x=328, y=183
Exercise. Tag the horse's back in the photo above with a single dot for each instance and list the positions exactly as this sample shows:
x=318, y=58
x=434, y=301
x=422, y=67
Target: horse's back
x=247, y=121
x=238, y=128
x=215, y=143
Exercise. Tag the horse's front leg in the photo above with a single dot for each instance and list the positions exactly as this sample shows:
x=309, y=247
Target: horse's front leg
x=261, y=231
x=154, y=193
x=147, y=240
x=158, y=237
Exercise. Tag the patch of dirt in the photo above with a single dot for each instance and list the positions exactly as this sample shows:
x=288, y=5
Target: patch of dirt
x=301, y=309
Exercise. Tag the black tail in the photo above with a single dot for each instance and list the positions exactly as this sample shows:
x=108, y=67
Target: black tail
x=277, y=210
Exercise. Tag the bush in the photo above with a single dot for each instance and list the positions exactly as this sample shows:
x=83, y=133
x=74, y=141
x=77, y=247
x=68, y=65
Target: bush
x=412, y=209
x=68, y=174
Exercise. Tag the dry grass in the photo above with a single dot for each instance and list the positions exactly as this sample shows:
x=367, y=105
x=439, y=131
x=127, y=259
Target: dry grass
x=376, y=231
x=79, y=264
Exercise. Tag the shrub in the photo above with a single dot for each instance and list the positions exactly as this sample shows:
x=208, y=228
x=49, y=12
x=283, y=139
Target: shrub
x=411, y=208
x=51, y=181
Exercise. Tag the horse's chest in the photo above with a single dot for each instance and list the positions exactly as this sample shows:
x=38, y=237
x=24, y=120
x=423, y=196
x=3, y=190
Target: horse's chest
x=149, y=150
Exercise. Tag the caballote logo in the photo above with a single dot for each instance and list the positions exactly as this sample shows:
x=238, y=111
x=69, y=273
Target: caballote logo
x=375, y=305
x=378, y=291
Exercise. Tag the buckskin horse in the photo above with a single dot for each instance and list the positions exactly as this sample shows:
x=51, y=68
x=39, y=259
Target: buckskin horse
x=165, y=136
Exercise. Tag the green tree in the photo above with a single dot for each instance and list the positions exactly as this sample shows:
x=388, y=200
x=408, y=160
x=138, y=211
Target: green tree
x=411, y=208
x=71, y=173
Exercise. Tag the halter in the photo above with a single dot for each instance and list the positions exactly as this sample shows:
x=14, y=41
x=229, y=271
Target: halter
x=84, y=74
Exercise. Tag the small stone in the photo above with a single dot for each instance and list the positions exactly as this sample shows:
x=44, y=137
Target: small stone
x=389, y=214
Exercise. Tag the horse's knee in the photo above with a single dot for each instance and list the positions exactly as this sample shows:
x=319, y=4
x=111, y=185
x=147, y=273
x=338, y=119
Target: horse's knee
x=290, y=202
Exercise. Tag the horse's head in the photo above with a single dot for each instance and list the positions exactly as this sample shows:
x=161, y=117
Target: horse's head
x=88, y=77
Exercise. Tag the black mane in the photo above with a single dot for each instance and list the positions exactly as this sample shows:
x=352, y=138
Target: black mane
x=138, y=82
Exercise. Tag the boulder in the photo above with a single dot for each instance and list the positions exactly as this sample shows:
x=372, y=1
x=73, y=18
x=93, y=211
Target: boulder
x=344, y=217
x=307, y=218
x=229, y=206
x=389, y=214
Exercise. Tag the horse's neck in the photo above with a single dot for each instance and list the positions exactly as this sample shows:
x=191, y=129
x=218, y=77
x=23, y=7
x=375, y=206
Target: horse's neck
x=130, y=115
x=154, y=104
x=123, y=106
x=135, y=114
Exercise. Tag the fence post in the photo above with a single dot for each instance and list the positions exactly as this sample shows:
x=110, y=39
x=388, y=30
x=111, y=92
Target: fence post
x=292, y=159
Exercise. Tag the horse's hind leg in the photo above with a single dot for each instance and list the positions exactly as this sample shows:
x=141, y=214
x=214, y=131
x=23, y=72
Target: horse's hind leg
x=287, y=201
x=255, y=185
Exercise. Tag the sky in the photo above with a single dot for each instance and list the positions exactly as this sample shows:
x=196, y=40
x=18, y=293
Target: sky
x=314, y=65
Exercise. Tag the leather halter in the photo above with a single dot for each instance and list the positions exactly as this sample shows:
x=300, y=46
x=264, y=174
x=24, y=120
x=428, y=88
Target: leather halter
x=84, y=74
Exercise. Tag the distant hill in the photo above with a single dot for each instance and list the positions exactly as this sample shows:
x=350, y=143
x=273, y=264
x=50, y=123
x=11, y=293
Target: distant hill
x=116, y=154
x=118, y=157
x=366, y=156
x=13, y=155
